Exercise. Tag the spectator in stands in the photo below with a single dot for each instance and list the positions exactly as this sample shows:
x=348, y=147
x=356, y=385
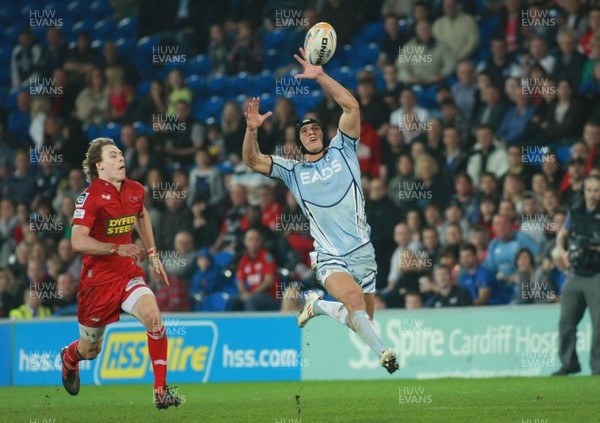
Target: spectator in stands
x=234, y=126
x=447, y=293
x=82, y=59
x=474, y=277
x=500, y=65
x=373, y=109
x=271, y=209
x=569, y=62
x=206, y=223
x=284, y=115
x=175, y=218
x=8, y=221
x=47, y=177
x=218, y=48
x=431, y=243
x=54, y=54
x=424, y=60
x=392, y=41
x=143, y=159
x=120, y=95
x=112, y=58
x=409, y=111
x=552, y=170
x=590, y=90
x=452, y=116
x=524, y=171
x=182, y=144
x=593, y=30
x=512, y=130
x=92, y=105
x=25, y=59
x=269, y=239
x=70, y=261
x=513, y=190
x=488, y=155
x=63, y=103
x=593, y=58
x=538, y=54
x=32, y=306
x=170, y=298
x=179, y=260
x=370, y=151
x=208, y=280
x=382, y=216
x=11, y=292
x=533, y=285
x=574, y=18
x=234, y=221
x=206, y=180
x=465, y=196
x=510, y=28
x=76, y=185
x=392, y=87
x=404, y=242
x=501, y=255
x=465, y=89
x=177, y=92
x=413, y=300
x=491, y=110
x=65, y=214
x=565, y=116
x=391, y=149
x=342, y=15
x=573, y=192
x=128, y=136
x=457, y=30
x=429, y=182
x=19, y=121
x=66, y=294
x=246, y=54
x=550, y=202
x=147, y=109
x=20, y=185
x=256, y=276
x=539, y=185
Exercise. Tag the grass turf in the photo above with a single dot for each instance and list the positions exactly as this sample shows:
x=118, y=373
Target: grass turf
x=520, y=400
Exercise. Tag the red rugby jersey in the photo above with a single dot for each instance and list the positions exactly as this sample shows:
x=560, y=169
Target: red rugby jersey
x=111, y=215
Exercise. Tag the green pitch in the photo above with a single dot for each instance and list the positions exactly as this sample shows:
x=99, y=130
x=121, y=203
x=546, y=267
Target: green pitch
x=519, y=400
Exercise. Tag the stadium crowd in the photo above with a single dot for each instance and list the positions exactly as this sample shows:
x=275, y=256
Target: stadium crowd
x=480, y=120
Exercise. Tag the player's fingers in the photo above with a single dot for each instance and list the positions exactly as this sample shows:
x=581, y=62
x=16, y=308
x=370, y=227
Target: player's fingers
x=163, y=273
x=267, y=115
x=299, y=59
x=303, y=52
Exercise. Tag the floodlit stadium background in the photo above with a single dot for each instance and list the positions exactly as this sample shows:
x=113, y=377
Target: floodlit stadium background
x=168, y=83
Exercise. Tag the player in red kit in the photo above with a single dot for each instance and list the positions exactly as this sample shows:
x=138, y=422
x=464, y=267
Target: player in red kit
x=111, y=280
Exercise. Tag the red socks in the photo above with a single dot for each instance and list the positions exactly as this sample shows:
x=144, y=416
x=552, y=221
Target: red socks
x=72, y=356
x=157, y=349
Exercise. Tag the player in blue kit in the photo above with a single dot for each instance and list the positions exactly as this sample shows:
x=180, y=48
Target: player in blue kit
x=327, y=187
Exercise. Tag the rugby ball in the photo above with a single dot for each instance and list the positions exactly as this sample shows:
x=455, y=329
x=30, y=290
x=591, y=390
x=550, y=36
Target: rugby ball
x=320, y=43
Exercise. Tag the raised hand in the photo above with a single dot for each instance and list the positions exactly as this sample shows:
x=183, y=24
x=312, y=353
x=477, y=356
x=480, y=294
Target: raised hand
x=254, y=119
x=310, y=71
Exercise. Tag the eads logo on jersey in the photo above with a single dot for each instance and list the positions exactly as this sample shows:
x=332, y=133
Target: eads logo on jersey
x=125, y=358
x=120, y=225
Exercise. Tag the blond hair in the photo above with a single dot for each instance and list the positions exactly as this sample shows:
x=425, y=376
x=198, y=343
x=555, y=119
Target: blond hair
x=93, y=156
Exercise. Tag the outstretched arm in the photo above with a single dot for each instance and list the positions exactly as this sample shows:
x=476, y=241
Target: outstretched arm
x=251, y=154
x=350, y=119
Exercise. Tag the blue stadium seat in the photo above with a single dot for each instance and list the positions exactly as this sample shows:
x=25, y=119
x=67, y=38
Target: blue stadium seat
x=344, y=75
x=563, y=153
x=196, y=84
x=264, y=81
x=314, y=99
x=267, y=102
x=275, y=39
x=104, y=28
x=200, y=65
x=223, y=259
x=198, y=110
x=111, y=130
x=100, y=8
x=217, y=84
x=98, y=44
x=83, y=25
x=77, y=9
x=241, y=84
x=215, y=302
x=272, y=60
x=5, y=52
x=91, y=131
x=11, y=35
x=142, y=128
x=126, y=46
x=127, y=28
x=143, y=55
x=373, y=32
x=368, y=54
x=214, y=107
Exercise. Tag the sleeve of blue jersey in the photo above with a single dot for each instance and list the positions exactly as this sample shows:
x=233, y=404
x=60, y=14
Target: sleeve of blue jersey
x=282, y=169
x=345, y=142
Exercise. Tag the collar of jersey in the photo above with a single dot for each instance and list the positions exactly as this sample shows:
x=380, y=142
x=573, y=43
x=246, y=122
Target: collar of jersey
x=309, y=163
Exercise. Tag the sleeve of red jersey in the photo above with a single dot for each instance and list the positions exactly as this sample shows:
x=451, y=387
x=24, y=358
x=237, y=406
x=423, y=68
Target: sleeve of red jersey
x=269, y=263
x=85, y=210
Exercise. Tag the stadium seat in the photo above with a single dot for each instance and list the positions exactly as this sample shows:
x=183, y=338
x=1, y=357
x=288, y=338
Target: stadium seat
x=111, y=130
x=563, y=153
x=217, y=85
x=143, y=55
x=200, y=65
x=11, y=35
x=271, y=59
x=126, y=46
x=264, y=81
x=77, y=9
x=214, y=107
x=368, y=55
x=127, y=28
x=5, y=52
x=198, y=110
x=100, y=8
x=80, y=26
x=275, y=39
x=142, y=128
x=104, y=28
x=242, y=84
x=314, y=99
x=373, y=32
x=267, y=102
x=196, y=84
x=223, y=259
x=215, y=302
x=91, y=131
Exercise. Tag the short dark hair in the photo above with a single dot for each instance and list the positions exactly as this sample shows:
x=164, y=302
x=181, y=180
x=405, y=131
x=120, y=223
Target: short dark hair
x=467, y=246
